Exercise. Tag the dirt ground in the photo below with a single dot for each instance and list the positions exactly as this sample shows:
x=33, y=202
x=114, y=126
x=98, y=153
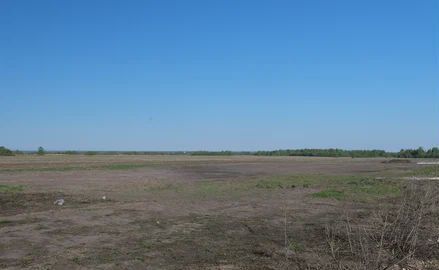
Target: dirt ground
x=175, y=212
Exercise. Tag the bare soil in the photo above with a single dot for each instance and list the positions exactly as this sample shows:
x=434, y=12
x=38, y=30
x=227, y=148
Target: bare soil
x=171, y=212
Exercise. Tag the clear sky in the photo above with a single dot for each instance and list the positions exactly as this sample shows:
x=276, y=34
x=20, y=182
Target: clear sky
x=219, y=75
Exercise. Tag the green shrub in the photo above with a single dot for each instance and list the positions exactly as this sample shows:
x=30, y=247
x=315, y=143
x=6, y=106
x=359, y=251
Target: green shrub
x=5, y=151
x=41, y=151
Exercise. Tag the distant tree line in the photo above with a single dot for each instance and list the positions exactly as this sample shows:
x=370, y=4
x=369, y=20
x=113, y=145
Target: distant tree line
x=212, y=153
x=419, y=153
x=91, y=153
x=331, y=152
x=220, y=153
x=334, y=152
x=7, y=152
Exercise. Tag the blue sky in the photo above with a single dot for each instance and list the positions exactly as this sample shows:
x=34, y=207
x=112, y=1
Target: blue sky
x=219, y=75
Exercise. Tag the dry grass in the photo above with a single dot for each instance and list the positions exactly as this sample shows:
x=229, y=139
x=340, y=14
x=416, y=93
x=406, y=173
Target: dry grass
x=390, y=239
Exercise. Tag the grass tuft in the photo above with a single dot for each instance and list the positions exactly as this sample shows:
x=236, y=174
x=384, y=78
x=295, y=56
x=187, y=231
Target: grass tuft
x=330, y=194
x=291, y=181
x=267, y=184
x=432, y=171
x=124, y=166
x=295, y=246
x=11, y=188
x=5, y=222
x=158, y=187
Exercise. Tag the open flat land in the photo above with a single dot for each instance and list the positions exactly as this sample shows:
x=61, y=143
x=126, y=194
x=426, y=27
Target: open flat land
x=192, y=212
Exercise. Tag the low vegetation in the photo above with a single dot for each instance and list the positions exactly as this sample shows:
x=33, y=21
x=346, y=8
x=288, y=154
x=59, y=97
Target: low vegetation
x=114, y=166
x=330, y=194
x=331, y=152
x=41, y=151
x=391, y=238
x=353, y=188
x=10, y=188
x=429, y=171
x=5, y=151
x=404, y=153
x=124, y=166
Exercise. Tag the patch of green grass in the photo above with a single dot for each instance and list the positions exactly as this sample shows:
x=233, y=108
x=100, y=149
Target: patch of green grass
x=273, y=184
x=330, y=194
x=162, y=187
x=217, y=188
x=358, y=188
x=118, y=166
x=429, y=171
x=11, y=188
x=212, y=189
x=76, y=260
x=146, y=244
x=295, y=246
x=201, y=189
x=43, y=169
x=209, y=188
x=292, y=181
x=124, y=166
x=374, y=187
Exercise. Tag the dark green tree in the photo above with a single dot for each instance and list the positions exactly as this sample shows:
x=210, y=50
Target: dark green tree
x=5, y=151
x=41, y=151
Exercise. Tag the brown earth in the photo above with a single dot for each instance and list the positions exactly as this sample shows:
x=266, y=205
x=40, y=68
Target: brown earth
x=171, y=212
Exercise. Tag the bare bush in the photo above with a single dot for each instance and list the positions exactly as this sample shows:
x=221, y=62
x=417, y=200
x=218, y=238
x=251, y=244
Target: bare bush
x=390, y=238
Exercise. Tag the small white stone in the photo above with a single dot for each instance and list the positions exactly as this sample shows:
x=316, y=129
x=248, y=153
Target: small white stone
x=59, y=202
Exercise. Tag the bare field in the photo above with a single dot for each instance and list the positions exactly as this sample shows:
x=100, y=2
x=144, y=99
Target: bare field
x=183, y=212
